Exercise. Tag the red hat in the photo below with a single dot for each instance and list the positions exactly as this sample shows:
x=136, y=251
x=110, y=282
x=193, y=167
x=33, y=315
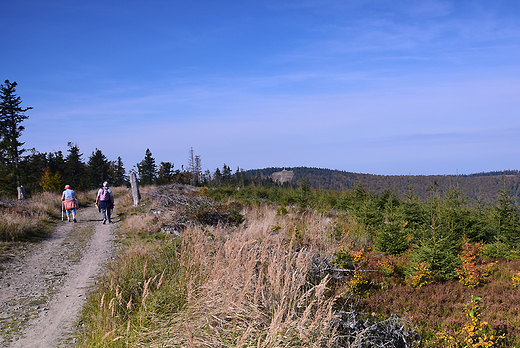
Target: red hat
x=67, y=187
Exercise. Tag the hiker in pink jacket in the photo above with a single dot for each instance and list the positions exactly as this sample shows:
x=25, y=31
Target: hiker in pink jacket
x=70, y=201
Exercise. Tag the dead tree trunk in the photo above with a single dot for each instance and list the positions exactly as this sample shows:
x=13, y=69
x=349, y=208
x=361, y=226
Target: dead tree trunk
x=21, y=192
x=135, y=189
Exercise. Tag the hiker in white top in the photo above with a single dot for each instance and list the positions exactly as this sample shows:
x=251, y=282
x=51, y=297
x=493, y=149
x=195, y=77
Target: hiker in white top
x=105, y=202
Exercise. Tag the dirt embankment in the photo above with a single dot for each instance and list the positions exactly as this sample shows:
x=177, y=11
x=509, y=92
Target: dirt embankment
x=43, y=286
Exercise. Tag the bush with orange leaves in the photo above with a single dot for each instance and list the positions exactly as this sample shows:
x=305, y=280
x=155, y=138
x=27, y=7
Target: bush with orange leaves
x=473, y=270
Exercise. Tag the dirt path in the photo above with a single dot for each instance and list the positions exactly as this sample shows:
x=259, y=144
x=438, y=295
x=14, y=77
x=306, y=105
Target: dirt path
x=44, y=286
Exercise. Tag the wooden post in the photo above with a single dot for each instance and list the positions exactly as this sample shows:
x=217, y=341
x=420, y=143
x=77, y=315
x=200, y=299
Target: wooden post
x=21, y=192
x=135, y=189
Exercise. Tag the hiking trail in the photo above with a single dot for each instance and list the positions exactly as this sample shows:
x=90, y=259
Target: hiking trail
x=44, y=285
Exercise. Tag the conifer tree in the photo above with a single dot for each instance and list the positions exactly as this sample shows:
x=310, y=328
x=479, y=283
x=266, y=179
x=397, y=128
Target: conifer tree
x=194, y=167
x=217, y=177
x=75, y=168
x=393, y=237
x=437, y=244
x=507, y=220
x=56, y=162
x=166, y=173
x=52, y=182
x=11, y=117
x=33, y=167
x=226, y=174
x=206, y=177
x=98, y=169
x=120, y=177
x=147, y=169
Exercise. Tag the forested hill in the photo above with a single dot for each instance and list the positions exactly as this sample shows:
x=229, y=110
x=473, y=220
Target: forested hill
x=483, y=186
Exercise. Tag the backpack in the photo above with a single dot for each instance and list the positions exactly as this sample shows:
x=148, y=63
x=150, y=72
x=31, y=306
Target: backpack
x=104, y=195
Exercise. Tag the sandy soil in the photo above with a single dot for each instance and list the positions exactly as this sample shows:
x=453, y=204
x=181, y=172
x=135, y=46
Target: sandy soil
x=43, y=285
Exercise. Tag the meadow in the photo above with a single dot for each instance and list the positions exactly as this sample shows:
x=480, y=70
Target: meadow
x=294, y=276
x=297, y=267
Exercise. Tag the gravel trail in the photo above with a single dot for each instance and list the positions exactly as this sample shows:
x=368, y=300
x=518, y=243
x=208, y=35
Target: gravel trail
x=44, y=285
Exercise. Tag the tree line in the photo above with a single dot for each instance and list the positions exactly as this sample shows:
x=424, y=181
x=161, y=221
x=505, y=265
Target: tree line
x=477, y=187
x=36, y=171
x=39, y=171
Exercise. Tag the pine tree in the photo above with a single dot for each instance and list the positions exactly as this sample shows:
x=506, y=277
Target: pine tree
x=11, y=117
x=166, y=173
x=147, y=169
x=226, y=174
x=120, y=177
x=33, y=167
x=217, y=177
x=56, y=162
x=75, y=168
x=98, y=169
x=507, y=220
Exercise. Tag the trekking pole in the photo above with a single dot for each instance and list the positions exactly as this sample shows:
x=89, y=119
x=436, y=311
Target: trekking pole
x=61, y=210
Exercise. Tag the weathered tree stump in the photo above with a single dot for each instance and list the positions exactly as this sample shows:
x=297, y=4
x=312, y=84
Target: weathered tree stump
x=21, y=193
x=135, y=189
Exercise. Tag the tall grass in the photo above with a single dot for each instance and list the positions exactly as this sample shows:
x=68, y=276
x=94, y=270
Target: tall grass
x=217, y=287
x=22, y=220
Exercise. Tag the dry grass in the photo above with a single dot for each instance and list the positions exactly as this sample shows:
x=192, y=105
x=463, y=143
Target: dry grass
x=219, y=287
x=15, y=226
x=254, y=290
x=20, y=220
x=145, y=224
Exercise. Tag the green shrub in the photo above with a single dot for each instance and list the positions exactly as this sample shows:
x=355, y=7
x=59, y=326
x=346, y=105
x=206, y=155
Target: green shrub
x=343, y=259
x=500, y=250
x=282, y=211
x=393, y=239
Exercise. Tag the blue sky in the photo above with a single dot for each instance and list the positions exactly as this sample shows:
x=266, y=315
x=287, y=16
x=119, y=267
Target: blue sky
x=380, y=87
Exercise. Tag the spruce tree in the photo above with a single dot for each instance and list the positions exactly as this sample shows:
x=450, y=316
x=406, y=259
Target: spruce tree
x=439, y=242
x=147, y=169
x=56, y=162
x=33, y=167
x=75, y=168
x=120, y=177
x=98, y=169
x=226, y=174
x=166, y=173
x=507, y=220
x=217, y=177
x=393, y=237
x=11, y=117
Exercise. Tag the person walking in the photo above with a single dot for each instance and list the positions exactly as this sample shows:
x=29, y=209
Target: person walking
x=105, y=202
x=70, y=201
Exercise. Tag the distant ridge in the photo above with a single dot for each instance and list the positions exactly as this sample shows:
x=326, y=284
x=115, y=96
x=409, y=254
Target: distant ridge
x=479, y=186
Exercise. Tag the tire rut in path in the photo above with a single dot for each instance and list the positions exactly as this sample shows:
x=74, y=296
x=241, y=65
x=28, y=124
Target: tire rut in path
x=44, y=287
